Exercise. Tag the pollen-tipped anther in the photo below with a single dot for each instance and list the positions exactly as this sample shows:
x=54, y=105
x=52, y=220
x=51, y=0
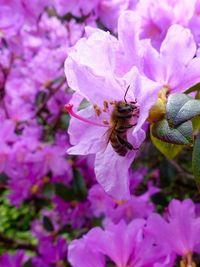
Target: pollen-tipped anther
x=69, y=109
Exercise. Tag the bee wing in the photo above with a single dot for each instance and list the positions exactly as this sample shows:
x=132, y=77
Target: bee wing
x=106, y=139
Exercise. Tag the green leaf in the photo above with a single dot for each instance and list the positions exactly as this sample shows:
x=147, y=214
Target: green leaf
x=181, y=108
x=197, y=95
x=48, y=190
x=28, y=263
x=64, y=192
x=169, y=150
x=3, y=178
x=196, y=123
x=48, y=226
x=40, y=98
x=79, y=186
x=181, y=135
x=196, y=160
x=174, y=104
x=194, y=88
x=64, y=119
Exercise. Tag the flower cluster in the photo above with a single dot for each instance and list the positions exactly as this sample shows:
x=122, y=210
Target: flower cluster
x=80, y=83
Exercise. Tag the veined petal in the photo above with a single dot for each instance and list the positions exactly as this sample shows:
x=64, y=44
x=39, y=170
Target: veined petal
x=129, y=38
x=191, y=76
x=86, y=138
x=177, y=50
x=90, y=68
x=145, y=91
x=112, y=172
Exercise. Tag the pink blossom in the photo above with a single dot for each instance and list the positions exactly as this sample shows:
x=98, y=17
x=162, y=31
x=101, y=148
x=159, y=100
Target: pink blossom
x=91, y=64
x=109, y=12
x=11, y=18
x=16, y=260
x=157, y=16
x=177, y=71
x=76, y=7
x=52, y=251
x=124, y=245
x=181, y=229
x=104, y=205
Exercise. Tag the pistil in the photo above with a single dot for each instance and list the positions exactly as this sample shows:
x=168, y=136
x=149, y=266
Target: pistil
x=69, y=109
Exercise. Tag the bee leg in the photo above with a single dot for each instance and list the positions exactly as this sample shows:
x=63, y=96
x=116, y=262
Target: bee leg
x=127, y=126
x=134, y=102
x=125, y=143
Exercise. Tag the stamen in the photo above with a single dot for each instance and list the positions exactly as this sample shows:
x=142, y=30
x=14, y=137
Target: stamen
x=113, y=103
x=69, y=108
x=97, y=110
x=105, y=104
x=106, y=122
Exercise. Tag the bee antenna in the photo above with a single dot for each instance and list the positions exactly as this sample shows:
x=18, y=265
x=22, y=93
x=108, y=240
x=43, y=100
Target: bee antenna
x=126, y=93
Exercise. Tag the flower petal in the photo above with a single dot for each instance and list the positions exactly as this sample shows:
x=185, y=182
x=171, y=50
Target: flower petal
x=112, y=172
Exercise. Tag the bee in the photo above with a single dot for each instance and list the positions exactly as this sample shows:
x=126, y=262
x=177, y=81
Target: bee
x=120, y=123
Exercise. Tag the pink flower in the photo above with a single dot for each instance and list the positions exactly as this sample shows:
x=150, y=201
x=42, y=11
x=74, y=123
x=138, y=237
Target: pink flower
x=11, y=18
x=52, y=251
x=76, y=7
x=181, y=229
x=175, y=70
x=122, y=244
x=91, y=71
x=16, y=260
x=7, y=138
x=109, y=11
x=157, y=16
x=104, y=205
x=174, y=65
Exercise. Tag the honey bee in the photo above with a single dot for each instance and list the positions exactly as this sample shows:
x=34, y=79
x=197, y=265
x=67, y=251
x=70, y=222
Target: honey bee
x=120, y=122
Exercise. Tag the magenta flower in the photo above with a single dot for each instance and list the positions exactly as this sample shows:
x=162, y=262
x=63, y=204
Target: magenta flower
x=7, y=138
x=176, y=71
x=181, y=229
x=194, y=23
x=157, y=16
x=52, y=251
x=91, y=71
x=76, y=7
x=122, y=244
x=16, y=260
x=104, y=205
x=109, y=12
x=100, y=202
x=174, y=65
x=11, y=18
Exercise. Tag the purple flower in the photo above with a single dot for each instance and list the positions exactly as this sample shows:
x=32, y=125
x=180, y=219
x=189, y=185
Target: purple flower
x=52, y=251
x=157, y=16
x=101, y=203
x=11, y=18
x=16, y=260
x=124, y=245
x=104, y=205
x=91, y=71
x=109, y=12
x=175, y=71
x=178, y=70
x=180, y=230
x=76, y=7
x=7, y=138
